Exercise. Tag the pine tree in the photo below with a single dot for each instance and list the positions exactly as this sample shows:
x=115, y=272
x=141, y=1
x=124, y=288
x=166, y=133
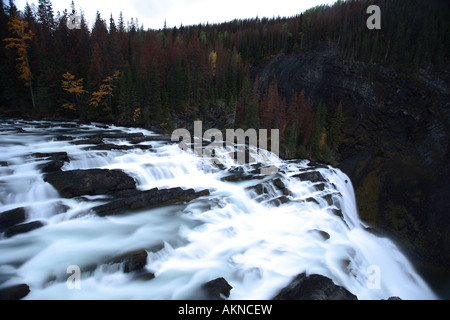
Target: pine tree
x=318, y=131
x=306, y=116
x=46, y=19
x=12, y=9
x=246, y=113
x=335, y=134
x=155, y=112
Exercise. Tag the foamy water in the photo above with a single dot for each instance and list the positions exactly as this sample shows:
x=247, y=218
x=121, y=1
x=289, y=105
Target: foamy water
x=258, y=247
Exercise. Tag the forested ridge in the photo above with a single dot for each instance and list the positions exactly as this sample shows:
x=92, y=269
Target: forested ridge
x=117, y=71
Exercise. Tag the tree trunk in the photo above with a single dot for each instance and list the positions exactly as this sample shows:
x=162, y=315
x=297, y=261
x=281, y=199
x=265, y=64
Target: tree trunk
x=30, y=83
x=32, y=97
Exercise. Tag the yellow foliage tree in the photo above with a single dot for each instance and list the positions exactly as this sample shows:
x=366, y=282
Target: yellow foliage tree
x=73, y=86
x=213, y=62
x=18, y=28
x=104, y=94
x=137, y=114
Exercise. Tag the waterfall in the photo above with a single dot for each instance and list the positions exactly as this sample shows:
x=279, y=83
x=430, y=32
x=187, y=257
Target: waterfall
x=258, y=241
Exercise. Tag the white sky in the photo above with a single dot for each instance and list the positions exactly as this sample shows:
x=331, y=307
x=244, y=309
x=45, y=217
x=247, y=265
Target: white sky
x=152, y=13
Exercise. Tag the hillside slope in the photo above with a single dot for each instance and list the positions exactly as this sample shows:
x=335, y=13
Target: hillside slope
x=395, y=144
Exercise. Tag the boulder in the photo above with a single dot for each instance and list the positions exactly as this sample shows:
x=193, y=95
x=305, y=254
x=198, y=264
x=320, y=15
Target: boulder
x=109, y=147
x=11, y=218
x=15, y=292
x=88, y=140
x=148, y=199
x=238, y=177
x=317, y=165
x=313, y=287
x=263, y=188
x=133, y=138
x=313, y=176
x=57, y=160
x=322, y=234
x=216, y=289
x=120, y=135
x=23, y=228
x=132, y=261
x=90, y=182
x=328, y=198
x=279, y=201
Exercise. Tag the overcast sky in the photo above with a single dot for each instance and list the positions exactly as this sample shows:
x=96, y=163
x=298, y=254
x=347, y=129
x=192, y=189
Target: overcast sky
x=153, y=13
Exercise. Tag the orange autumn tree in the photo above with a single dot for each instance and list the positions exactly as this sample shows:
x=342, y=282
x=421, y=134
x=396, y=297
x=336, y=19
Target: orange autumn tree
x=20, y=41
x=105, y=93
x=73, y=86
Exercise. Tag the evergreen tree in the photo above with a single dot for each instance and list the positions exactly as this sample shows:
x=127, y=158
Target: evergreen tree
x=335, y=132
x=11, y=9
x=46, y=17
x=155, y=112
x=318, y=131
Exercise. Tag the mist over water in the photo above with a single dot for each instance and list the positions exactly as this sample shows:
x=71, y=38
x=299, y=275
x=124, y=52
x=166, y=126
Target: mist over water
x=257, y=244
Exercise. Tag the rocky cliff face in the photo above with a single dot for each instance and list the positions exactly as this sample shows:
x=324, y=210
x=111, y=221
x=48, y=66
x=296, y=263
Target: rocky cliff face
x=396, y=142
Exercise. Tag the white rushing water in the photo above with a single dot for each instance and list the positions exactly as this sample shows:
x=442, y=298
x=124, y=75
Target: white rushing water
x=258, y=247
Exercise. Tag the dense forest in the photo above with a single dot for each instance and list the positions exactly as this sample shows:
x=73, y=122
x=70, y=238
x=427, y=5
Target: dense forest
x=117, y=71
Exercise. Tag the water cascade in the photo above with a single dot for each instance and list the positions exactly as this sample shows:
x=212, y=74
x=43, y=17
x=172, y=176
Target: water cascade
x=256, y=232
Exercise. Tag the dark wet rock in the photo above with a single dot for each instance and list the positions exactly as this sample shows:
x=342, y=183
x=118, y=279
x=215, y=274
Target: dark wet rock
x=136, y=140
x=11, y=218
x=3, y=163
x=394, y=299
x=109, y=147
x=51, y=155
x=338, y=213
x=69, y=125
x=121, y=135
x=324, y=235
x=144, y=276
x=314, y=287
x=160, y=138
x=133, y=138
x=279, y=184
x=23, y=228
x=266, y=187
x=313, y=176
x=317, y=165
x=216, y=289
x=320, y=186
x=311, y=199
x=57, y=160
x=133, y=261
x=233, y=177
x=53, y=166
x=279, y=201
x=260, y=189
x=148, y=199
x=328, y=198
x=15, y=292
x=241, y=176
x=64, y=138
x=102, y=126
x=90, y=182
x=90, y=140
